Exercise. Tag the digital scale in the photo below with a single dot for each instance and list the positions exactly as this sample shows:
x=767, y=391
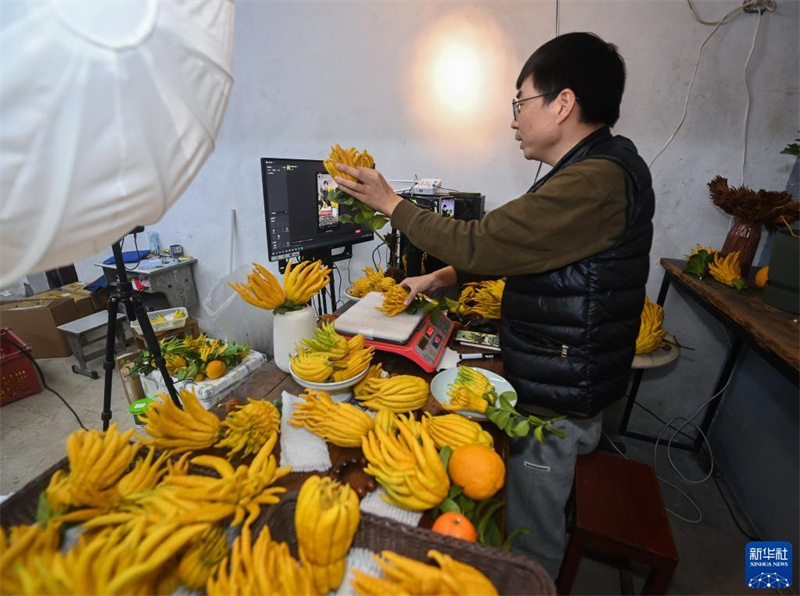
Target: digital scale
x=414, y=336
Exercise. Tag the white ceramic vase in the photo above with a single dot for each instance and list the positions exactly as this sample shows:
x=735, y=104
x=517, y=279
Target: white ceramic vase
x=287, y=331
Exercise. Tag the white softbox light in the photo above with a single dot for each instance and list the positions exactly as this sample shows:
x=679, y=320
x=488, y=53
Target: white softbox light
x=107, y=112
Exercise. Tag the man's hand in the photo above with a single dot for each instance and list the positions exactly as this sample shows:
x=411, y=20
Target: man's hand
x=372, y=189
x=425, y=283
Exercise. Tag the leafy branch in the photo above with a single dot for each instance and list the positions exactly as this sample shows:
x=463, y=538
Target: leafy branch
x=514, y=424
x=362, y=215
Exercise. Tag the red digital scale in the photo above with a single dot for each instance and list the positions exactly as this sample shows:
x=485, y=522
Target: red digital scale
x=414, y=336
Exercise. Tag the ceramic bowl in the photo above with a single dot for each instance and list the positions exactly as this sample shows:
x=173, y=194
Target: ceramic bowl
x=340, y=391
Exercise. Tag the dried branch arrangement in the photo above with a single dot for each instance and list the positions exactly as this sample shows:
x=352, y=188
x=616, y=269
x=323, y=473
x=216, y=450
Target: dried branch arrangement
x=765, y=207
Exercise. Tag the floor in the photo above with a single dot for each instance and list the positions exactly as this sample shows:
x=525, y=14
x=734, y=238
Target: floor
x=33, y=431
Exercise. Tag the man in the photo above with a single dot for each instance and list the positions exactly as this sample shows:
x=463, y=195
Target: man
x=575, y=252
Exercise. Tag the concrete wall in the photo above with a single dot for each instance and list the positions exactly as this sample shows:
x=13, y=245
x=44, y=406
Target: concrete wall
x=365, y=74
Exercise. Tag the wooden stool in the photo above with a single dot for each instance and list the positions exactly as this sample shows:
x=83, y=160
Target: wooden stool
x=618, y=510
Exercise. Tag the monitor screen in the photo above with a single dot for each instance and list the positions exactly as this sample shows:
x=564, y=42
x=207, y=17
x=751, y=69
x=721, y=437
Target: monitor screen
x=300, y=216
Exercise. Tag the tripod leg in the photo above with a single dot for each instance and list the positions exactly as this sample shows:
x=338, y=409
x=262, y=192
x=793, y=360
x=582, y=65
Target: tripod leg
x=108, y=363
x=152, y=345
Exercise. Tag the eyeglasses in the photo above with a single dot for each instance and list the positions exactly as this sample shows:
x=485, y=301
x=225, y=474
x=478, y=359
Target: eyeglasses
x=515, y=103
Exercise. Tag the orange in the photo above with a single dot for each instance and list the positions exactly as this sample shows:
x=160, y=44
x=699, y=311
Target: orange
x=215, y=369
x=456, y=525
x=478, y=470
x=762, y=276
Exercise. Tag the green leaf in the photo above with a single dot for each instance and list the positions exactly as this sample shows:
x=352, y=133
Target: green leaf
x=538, y=433
x=518, y=532
x=378, y=221
x=467, y=505
x=522, y=428
x=502, y=419
x=492, y=536
x=505, y=399
x=698, y=263
x=444, y=455
x=486, y=516
x=43, y=510
x=449, y=505
x=345, y=218
x=454, y=491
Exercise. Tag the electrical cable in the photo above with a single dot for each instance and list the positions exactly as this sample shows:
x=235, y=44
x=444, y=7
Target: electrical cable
x=42, y=377
x=747, y=95
x=558, y=6
x=691, y=82
x=339, y=292
x=730, y=509
x=660, y=419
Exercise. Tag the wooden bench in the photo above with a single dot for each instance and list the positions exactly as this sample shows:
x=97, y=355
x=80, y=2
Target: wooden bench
x=618, y=510
x=84, y=332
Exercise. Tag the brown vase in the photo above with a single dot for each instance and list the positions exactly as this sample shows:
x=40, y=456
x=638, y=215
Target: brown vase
x=743, y=237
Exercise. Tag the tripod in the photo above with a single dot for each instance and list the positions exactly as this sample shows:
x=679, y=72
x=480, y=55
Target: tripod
x=134, y=310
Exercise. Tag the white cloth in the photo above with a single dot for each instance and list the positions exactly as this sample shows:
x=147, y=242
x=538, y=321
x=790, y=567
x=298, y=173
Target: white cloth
x=361, y=559
x=302, y=450
x=109, y=111
x=373, y=503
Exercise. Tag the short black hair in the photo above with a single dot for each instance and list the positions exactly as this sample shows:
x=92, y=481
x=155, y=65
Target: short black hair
x=589, y=66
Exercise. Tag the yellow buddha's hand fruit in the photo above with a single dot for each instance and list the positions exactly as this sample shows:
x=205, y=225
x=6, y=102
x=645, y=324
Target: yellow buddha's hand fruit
x=303, y=280
x=727, y=270
x=651, y=334
x=326, y=520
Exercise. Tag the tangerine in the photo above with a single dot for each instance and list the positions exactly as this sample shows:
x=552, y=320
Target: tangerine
x=455, y=525
x=478, y=470
x=762, y=277
x=215, y=369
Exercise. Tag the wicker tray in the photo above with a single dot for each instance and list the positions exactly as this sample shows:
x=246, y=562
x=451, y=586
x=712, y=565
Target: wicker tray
x=510, y=573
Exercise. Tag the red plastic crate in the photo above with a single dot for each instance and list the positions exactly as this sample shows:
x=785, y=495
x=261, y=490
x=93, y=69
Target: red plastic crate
x=17, y=374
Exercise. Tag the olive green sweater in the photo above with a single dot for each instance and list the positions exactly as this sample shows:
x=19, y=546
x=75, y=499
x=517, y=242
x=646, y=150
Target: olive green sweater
x=579, y=212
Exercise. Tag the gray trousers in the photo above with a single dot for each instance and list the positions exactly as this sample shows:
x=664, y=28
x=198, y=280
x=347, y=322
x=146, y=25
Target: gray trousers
x=539, y=480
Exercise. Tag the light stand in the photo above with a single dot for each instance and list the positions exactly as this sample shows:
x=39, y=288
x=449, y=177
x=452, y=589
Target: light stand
x=134, y=309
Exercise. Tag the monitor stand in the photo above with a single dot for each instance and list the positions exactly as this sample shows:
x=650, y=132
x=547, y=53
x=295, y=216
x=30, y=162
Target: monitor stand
x=328, y=258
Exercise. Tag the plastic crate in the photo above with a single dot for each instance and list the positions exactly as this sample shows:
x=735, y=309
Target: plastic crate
x=17, y=374
x=176, y=317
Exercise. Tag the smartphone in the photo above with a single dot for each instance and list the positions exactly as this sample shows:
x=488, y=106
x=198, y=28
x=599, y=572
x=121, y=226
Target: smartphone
x=488, y=341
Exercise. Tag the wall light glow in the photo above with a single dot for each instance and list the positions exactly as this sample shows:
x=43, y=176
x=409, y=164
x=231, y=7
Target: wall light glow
x=462, y=77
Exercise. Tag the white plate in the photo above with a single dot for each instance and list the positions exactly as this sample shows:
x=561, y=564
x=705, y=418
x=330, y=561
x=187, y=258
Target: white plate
x=440, y=386
x=351, y=296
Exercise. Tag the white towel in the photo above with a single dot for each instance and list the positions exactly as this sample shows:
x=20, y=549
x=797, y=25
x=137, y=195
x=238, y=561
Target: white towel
x=302, y=450
x=373, y=503
x=361, y=559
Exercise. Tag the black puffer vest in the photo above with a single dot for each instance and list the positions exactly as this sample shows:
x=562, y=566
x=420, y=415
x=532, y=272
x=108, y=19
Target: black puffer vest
x=568, y=335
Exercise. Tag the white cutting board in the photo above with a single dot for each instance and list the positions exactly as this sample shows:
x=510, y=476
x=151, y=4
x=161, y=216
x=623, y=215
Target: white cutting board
x=365, y=318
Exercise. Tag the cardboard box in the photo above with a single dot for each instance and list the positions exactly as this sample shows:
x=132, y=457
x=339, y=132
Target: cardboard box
x=83, y=299
x=131, y=383
x=37, y=321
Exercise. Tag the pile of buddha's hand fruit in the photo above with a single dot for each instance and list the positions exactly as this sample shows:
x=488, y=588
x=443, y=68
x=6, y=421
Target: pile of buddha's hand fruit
x=727, y=270
x=361, y=213
x=193, y=357
x=403, y=459
x=148, y=523
x=402, y=575
x=372, y=281
x=482, y=298
x=651, y=333
x=301, y=282
x=328, y=357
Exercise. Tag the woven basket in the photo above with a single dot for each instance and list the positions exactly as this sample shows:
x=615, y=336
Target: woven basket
x=510, y=573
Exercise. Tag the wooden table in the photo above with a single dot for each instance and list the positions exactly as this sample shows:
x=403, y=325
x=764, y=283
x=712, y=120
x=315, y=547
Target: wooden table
x=773, y=333
x=269, y=382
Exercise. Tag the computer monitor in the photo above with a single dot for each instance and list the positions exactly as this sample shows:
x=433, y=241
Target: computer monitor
x=301, y=218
